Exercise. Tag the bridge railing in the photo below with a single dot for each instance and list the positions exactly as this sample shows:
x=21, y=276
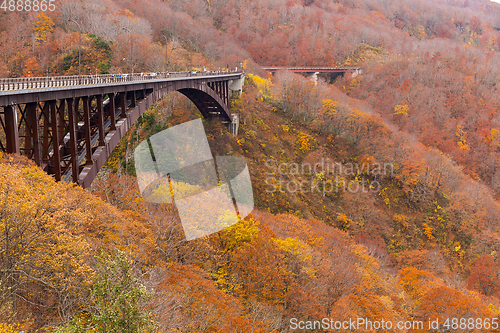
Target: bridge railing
x=28, y=83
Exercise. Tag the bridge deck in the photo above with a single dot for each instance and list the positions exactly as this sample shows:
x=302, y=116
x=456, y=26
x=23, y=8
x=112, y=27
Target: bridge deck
x=31, y=88
x=30, y=83
x=313, y=69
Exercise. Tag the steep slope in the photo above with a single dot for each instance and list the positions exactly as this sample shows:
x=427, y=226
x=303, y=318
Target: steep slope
x=414, y=232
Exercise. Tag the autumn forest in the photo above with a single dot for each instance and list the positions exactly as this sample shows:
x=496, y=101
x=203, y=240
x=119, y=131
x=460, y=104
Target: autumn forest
x=415, y=243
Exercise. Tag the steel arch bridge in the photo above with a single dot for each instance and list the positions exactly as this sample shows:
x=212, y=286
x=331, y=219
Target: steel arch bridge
x=70, y=125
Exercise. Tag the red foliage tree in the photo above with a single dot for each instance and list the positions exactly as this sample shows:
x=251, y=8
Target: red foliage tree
x=484, y=275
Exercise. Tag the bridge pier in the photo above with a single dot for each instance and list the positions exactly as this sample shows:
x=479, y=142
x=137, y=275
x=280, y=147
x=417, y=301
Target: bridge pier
x=235, y=124
x=72, y=109
x=237, y=85
x=32, y=137
x=88, y=138
x=100, y=121
x=313, y=77
x=56, y=141
x=123, y=104
x=11, y=130
x=112, y=98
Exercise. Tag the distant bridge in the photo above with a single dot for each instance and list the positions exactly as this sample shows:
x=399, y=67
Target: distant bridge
x=69, y=125
x=340, y=70
x=331, y=72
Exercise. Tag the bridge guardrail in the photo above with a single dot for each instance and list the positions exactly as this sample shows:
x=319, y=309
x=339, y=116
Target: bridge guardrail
x=28, y=83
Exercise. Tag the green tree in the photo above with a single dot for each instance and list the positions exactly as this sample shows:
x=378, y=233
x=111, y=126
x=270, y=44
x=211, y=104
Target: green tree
x=118, y=300
x=119, y=297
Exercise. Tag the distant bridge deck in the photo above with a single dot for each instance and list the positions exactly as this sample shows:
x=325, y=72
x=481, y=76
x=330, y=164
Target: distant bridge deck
x=342, y=70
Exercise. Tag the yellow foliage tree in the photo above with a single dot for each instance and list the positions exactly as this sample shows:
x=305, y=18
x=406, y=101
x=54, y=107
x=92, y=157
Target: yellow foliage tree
x=306, y=142
x=494, y=137
x=401, y=110
x=329, y=107
x=346, y=222
x=263, y=85
x=428, y=231
x=462, y=136
x=5, y=328
x=44, y=227
x=42, y=27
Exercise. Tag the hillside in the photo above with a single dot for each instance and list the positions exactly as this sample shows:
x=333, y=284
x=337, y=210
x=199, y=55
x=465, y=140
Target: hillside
x=428, y=232
x=376, y=195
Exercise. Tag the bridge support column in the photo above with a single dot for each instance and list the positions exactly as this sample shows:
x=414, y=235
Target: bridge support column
x=223, y=92
x=112, y=109
x=313, y=77
x=32, y=133
x=225, y=88
x=132, y=99
x=235, y=124
x=100, y=120
x=62, y=119
x=55, y=140
x=237, y=85
x=123, y=104
x=11, y=130
x=45, y=133
x=88, y=136
x=72, y=108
